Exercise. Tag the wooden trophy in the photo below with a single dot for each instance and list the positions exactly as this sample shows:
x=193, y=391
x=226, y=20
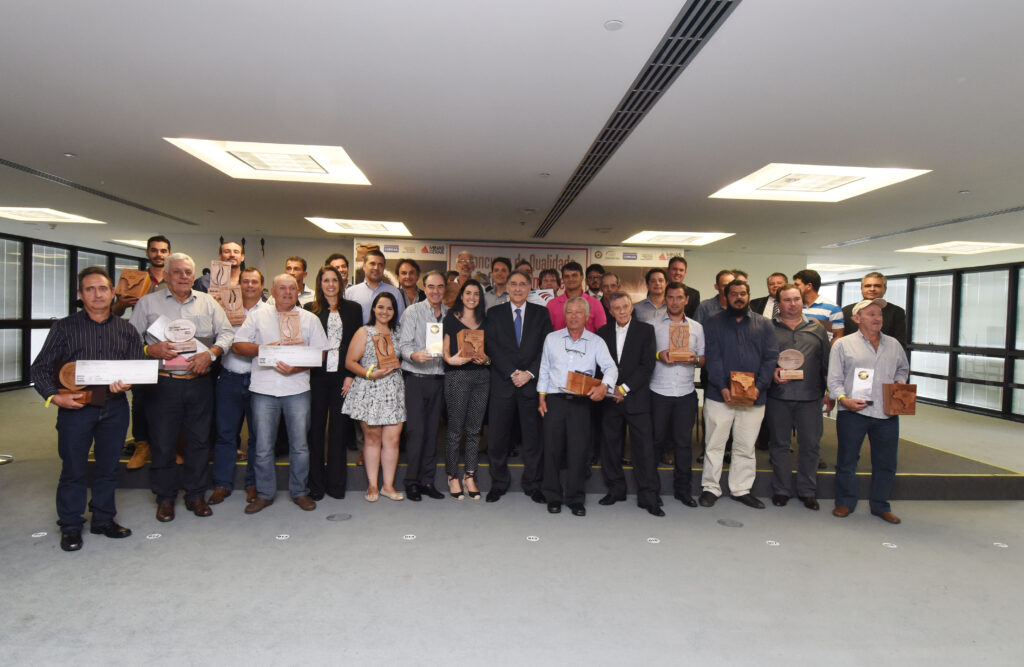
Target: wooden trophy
x=96, y=395
x=791, y=362
x=133, y=283
x=471, y=343
x=385, y=348
x=899, y=399
x=230, y=299
x=580, y=384
x=220, y=274
x=742, y=387
x=679, y=342
x=290, y=327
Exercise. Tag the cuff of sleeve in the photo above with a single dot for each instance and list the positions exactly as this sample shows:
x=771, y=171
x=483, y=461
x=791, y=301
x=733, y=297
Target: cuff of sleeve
x=624, y=389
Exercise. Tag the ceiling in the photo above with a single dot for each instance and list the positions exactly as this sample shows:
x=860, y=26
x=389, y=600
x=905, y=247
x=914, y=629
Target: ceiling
x=469, y=117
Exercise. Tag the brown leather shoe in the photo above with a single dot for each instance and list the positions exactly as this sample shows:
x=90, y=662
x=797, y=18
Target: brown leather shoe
x=250, y=494
x=165, y=511
x=140, y=456
x=842, y=511
x=218, y=495
x=198, y=507
x=257, y=505
x=305, y=503
x=888, y=516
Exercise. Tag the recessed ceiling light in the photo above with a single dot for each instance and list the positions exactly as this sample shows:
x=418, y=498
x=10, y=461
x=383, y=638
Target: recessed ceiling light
x=70, y=155
x=613, y=25
x=276, y=162
x=963, y=247
x=29, y=214
x=370, y=227
x=131, y=243
x=815, y=183
x=838, y=268
x=677, y=238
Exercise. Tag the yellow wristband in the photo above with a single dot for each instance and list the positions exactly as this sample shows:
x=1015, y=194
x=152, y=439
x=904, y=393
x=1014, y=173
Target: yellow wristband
x=841, y=397
x=47, y=404
x=370, y=370
x=657, y=355
x=145, y=350
x=542, y=393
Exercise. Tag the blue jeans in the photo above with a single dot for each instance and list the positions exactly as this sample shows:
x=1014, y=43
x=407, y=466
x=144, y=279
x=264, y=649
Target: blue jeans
x=76, y=430
x=884, y=435
x=232, y=407
x=266, y=413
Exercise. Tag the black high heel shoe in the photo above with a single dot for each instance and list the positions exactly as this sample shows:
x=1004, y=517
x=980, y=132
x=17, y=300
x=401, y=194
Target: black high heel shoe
x=473, y=495
x=455, y=495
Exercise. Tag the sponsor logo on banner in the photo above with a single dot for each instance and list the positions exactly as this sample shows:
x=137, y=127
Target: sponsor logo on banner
x=389, y=248
x=629, y=255
x=597, y=254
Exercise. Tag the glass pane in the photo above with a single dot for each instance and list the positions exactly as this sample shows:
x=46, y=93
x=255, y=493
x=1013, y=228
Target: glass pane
x=10, y=355
x=896, y=292
x=49, y=282
x=35, y=343
x=851, y=292
x=1018, y=401
x=87, y=259
x=122, y=263
x=930, y=387
x=1018, y=371
x=1020, y=309
x=10, y=274
x=979, y=395
x=929, y=362
x=828, y=292
x=983, y=308
x=932, y=309
x=979, y=368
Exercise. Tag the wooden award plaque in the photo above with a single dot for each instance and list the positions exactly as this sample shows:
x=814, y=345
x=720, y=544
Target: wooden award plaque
x=742, y=388
x=385, y=348
x=679, y=342
x=291, y=328
x=580, y=384
x=133, y=283
x=791, y=361
x=230, y=299
x=899, y=399
x=471, y=343
x=66, y=376
x=220, y=274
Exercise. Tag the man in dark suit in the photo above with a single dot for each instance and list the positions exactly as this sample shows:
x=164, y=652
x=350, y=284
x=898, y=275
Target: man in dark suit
x=767, y=306
x=514, y=339
x=631, y=343
x=677, y=274
x=894, y=318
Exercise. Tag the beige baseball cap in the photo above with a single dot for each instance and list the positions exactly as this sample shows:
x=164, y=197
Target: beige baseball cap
x=861, y=305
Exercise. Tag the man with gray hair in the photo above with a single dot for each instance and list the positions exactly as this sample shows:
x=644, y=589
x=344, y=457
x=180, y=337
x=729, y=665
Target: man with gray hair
x=187, y=331
x=894, y=319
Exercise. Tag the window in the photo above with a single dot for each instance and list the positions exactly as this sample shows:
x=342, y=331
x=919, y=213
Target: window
x=979, y=395
x=896, y=292
x=929, y=362
x=49, y=283
x=828, y=292
x=87, y=259
x=10, y=274
x=933, y=306
x=10, y=355
x=930, y=387
x=1020, y=309
x=983, y=309
x=851, y=293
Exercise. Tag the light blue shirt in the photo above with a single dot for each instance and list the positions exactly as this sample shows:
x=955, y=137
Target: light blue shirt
x=889, y=363
x=364, y=295
x=675, y=379
x=563, y=354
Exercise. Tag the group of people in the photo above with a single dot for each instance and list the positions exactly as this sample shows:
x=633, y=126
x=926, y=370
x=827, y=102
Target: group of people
x=564, y=373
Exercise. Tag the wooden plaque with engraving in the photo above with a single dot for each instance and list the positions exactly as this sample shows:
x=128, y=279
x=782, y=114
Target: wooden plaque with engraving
x=133, y=283
x=742, y=387
x=899, y=399
x=791, y=361
x=679, y=342
x=580, y=384
x=230, y=299
x=385, y=348
x=471, y=343
x=66, y=376
x=291, y=328
x=220, y=274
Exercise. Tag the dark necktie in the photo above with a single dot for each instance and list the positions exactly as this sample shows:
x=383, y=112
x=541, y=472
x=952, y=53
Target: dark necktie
x=775, y=309
x=519, y=326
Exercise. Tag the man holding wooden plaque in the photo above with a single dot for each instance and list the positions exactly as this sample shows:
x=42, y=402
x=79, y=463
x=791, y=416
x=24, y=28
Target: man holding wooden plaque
x=796, y=399
x=860, y=367
x=566, y=386
x=741, y=361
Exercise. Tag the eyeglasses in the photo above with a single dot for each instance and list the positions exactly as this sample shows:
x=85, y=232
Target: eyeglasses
x=576, y=346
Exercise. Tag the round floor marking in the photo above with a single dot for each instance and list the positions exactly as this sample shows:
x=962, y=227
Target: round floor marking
x=282, y=537
x=532, y=538
x=41, y=534
x=772, y=543
x=889, y=545
x=154, y=536
x=339, y=517
x=408, y=538
x=1001, y=545
x=653, y=540
x=730, y=523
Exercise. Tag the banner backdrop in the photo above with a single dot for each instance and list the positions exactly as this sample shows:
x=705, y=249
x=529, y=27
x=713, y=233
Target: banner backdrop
x=540, y=257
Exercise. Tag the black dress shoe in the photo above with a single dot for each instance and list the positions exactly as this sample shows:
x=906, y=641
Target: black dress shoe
x=431, y=491
x=538, y=497
x=71, y=540
x=578, y=509
x=165, y=511
x=111, y=530
x=316, y=496
x=412, y=492
x=657, y=511
x=494, y=496
x=609, y=499
x=811, y=503
x=780, y=500
x=749, y=500
x=687, y=500
x=554, y=508
x=708, y=499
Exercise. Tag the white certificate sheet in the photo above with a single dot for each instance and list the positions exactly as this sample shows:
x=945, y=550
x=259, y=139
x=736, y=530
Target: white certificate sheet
x=108, y=372
x=158, y=326
x=293, y=355
x=435, y=339
x=862, y=383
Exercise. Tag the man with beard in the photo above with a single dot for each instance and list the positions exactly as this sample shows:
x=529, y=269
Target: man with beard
x=231, y=252
x=737, y=340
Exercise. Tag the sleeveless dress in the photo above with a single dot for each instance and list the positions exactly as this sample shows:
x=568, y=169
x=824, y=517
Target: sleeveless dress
x=376, y=402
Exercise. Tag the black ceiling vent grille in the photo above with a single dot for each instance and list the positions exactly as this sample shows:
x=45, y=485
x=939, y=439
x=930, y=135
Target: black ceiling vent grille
x=694, y=25
x=92, y=191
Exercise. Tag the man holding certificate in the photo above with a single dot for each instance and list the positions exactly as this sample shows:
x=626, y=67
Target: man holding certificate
x=858, y=366
x=284, y=342
x=90, y=334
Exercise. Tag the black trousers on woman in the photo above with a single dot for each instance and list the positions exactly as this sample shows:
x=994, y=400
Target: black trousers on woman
x=328, y=476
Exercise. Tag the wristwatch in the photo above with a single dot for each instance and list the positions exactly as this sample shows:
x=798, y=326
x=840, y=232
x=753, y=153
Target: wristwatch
x=213, y=356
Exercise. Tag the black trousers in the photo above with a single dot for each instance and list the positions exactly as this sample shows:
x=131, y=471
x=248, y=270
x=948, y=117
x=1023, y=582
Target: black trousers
x=140, y=427
x=503, y=410
x=328, y=475
x=645, y=468
x=424, y=396
x=566, y=437
x=673, y=418
x=172, y=407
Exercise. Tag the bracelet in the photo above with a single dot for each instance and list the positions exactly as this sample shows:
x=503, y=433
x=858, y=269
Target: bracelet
x=841, y=397
x=145, y=350
x=370, y=370
x=657, y=356
x=47, y=404
x=621, y=390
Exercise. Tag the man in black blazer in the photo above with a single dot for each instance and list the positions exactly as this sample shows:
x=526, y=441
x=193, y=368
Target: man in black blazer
x=632, y=346
x=766, y=306
x=514, y=340
x=894, y=318
x=677, y=274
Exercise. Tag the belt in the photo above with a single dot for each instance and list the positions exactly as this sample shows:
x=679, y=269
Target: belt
x=224, y=370
x=569, y=397
x=425, y=376
x=183, y=376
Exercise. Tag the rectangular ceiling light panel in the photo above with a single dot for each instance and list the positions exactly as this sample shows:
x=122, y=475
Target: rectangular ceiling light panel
x=677, y=238
x=962, y=247
x=369, y=227
x=29, y=214
x=813, y=183
x=276, y=162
